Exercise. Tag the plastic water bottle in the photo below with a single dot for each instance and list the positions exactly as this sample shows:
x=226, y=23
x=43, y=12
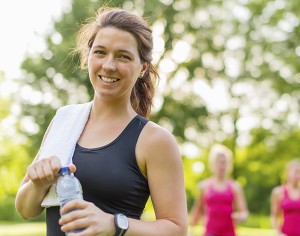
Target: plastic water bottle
x=68, y=188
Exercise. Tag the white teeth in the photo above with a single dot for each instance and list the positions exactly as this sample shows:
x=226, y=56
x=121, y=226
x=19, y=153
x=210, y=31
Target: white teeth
x=108, y=80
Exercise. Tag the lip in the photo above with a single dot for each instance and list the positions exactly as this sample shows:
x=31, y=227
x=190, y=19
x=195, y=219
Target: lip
x=111, y=77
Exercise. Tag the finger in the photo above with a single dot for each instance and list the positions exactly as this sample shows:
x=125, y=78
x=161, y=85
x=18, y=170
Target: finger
x=39, y=170
x=71, y=216
x=78, y=225
x=55, y=164
x=32, y=173
x=72, y=168
x=48, y=172
x=74, y=204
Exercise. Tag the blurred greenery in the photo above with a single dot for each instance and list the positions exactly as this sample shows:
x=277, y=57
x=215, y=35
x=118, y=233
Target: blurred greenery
x=229, y=74
x=22, y=229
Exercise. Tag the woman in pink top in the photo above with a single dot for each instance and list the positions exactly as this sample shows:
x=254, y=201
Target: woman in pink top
x=221, y=199
x=285, y=203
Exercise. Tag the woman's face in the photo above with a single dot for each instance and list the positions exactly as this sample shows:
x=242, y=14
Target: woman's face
x=293, y=174
x=114, y=64
x=221, y=165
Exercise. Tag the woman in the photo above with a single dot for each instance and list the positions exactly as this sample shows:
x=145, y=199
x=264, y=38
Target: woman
x=121, y=158
x=219, y=196
x=285, y=202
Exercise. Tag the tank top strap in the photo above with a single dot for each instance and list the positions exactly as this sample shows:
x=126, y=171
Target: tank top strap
x=230, y=186
x=129, y=136
x=210, y=184
x=208, y=187
x=285, y=191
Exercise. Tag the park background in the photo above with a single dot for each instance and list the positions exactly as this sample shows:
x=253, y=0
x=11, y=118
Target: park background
x=230, y=74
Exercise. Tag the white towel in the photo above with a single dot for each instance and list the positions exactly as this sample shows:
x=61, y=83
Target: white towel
x=66, y=128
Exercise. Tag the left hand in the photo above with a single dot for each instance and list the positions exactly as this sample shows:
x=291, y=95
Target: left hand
x=239, y=217
x=87, y=216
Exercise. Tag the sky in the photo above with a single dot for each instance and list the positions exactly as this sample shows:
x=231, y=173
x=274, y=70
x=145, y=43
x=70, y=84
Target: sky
x=22, y=25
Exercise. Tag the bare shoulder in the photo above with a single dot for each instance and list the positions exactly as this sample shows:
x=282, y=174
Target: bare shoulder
x=277, y=191
x=156, y=145
x=155, y=130
x=203, y=184
x=236, y=186
x=154, y=136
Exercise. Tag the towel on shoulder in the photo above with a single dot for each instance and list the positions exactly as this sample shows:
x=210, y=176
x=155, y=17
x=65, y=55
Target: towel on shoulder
x=66, y=128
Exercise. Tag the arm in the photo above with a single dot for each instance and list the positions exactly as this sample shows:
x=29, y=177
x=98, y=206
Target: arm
x=29, y=197
x=240, y=202
x=197, y=208
x=41, y=174
x=275, y=209
x=164, y=170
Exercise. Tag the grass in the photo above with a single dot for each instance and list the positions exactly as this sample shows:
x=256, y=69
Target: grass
x=241, y=231
x=39, y=229
x=22, y=229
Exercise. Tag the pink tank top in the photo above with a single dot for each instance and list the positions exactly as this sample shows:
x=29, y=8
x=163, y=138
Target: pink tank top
x=291, y=215
x=218, y=207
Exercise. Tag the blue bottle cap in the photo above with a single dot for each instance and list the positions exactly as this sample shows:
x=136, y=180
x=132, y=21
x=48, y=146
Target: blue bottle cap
x=64, y=170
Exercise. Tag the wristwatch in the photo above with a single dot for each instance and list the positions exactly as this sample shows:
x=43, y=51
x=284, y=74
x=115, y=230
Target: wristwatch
x=121, y=223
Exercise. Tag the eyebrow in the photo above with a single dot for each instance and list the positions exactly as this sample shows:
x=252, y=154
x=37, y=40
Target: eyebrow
x=120, y=50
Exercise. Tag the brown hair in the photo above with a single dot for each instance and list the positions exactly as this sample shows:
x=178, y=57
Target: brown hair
x=143, y=90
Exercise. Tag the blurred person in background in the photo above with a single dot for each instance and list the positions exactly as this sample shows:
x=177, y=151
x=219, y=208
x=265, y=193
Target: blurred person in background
x=285, y=202
x=221, y=202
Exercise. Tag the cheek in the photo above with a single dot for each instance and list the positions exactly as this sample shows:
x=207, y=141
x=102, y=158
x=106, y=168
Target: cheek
x=92, y=64
x=136, y=70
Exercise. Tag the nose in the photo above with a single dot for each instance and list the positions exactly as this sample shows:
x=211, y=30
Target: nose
x=109, y=64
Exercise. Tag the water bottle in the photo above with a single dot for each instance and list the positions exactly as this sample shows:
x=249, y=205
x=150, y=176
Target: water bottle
x=68, y=188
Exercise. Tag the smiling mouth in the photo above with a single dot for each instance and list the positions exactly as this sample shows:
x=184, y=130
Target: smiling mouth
x=108, y=79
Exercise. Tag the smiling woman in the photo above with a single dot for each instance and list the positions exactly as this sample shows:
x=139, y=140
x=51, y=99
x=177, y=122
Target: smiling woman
x=121, y=157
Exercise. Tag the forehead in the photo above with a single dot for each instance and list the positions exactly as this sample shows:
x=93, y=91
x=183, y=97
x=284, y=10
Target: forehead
x=110, y=37
x=295, y=167
x=220, y=157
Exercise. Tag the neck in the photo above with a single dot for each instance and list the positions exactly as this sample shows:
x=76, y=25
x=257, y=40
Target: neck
x=220, y=178
x=102, y=110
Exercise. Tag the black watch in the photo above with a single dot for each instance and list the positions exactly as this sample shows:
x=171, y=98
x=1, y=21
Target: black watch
x=121, y=223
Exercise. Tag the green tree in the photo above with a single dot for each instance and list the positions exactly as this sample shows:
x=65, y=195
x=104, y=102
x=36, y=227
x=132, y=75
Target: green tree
x=13, y=153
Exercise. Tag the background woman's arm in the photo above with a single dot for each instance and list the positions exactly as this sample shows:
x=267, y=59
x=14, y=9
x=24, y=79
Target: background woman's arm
x=241, y=205
x=196, y=211
x=275, y=210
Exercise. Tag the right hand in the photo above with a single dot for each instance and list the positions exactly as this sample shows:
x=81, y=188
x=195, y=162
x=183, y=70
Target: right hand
x=44, y=172
x=280, y=234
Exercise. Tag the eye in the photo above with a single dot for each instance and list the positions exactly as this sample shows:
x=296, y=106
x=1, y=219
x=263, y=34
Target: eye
x=124, y=57
x=100, y=52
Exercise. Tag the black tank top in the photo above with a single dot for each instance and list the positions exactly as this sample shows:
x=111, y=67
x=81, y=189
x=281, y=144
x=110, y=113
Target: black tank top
x=110, y=177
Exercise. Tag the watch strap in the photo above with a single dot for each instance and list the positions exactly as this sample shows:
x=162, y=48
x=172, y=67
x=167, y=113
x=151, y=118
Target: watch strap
x=119, y=231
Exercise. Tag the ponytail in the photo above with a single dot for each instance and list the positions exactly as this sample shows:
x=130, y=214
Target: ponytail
x=143, y=92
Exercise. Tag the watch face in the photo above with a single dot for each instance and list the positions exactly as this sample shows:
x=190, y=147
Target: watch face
x=122, y=221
